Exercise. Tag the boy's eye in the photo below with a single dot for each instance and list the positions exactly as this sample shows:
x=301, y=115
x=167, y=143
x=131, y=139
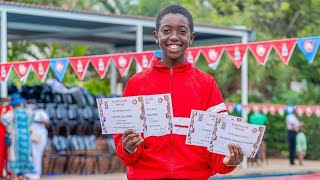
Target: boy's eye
x=165, y=30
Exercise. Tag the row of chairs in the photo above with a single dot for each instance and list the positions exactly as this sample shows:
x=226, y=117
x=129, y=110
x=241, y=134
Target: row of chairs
x=81, y=154
x=71, y=117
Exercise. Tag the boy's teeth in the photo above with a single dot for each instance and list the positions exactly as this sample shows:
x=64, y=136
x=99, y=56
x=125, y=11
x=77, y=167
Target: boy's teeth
x=174, y=46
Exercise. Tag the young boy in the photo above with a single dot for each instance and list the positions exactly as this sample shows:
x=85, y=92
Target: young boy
x=301, y=145
x=168, y=157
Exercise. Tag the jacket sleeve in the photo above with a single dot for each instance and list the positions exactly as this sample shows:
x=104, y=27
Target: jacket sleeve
x=216, y=104
x=126, y=158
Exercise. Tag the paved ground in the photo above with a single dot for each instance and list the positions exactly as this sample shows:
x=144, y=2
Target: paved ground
x=274, y=166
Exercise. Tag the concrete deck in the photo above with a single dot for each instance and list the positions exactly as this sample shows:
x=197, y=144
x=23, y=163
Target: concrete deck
x=274, y=166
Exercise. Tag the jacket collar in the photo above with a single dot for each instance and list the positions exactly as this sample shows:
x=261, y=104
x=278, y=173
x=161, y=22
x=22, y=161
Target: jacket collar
x=176, y=69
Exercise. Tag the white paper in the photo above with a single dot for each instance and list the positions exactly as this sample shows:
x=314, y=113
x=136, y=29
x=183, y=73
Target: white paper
x=159, y=115
x=202, y=126
x=247, y=136
x=120, y=114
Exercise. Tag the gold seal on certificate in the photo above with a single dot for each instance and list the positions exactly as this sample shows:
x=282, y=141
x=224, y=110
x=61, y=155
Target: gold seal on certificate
x=119, y=114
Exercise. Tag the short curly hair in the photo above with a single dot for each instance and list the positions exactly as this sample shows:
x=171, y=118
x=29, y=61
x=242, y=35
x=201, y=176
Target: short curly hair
x=174, y=9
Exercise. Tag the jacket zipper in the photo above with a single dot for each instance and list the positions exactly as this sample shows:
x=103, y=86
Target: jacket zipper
x=171, y=140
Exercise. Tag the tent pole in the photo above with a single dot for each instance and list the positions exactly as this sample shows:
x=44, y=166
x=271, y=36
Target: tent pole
x=3, y=54
x=244, y=88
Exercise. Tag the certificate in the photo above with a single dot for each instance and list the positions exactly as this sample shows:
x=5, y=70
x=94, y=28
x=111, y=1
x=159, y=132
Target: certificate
x=202, y=126
x=120, y=114
x=220, y=117
x=247, y=136
x=158, y=115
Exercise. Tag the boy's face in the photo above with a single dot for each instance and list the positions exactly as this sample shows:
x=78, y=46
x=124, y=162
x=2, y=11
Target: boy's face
x=174, y=36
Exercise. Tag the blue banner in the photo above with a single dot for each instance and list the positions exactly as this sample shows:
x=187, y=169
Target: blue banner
x=158, y=53
x=59, y=67
x=290, y=108
x=238, y=108
x=309, y=47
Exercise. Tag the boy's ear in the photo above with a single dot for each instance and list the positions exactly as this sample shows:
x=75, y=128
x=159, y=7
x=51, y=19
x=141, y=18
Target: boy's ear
x=192, y=36
x=155, y=35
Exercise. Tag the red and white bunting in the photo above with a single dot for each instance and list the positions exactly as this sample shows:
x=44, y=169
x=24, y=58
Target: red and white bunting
x=123, y=62
x=41, y=68
x=236, y=53
x=281, y=109
x=284, y=48
x=79, y=65
x=192, y=55
x=308, y=111
x=300, y=110
x=272, y=110
x=5, y=70
x=100, y=64
x=261, y=51
x=317, y=111
x=246, y=108
x=255, y=108
x=213, y=55
x=144, y=59
x=22, y=68
x=265, y=109
x=230, y=107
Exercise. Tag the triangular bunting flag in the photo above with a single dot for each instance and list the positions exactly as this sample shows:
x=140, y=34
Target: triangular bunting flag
x=255, y=108
x=238, y=108
x=144, y=59
x=79, y=65
x=246, y=108
x=230, y=107
x=290, y=109
x=236, y=53
x=299, y=110
x=41, y=68
x=101, y=64
x=317, y=111
x=261, y=51
x=280, y=109
x=272, y=109
x=309, y=47
x=22, y=69
x=123, y=62
x=284, y=48
x=308, y=111
x=264, y=109
x=192, y=55
x=5, y=70
x=213, y=55
x=59, y=67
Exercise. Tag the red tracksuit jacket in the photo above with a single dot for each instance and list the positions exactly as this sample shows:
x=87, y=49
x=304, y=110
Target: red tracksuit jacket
x=168, y=157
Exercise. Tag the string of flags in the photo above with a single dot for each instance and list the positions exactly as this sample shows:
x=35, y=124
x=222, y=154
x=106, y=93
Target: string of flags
x=260, y=50
x=274, y=108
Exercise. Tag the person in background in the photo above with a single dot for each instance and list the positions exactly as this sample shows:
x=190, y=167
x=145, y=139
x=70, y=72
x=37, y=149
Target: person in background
x=39, y=138
x=18, y=122
x=293, y=125
x=168, y=157
x=260, y=119
x=4, y=108
x=301, y=144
